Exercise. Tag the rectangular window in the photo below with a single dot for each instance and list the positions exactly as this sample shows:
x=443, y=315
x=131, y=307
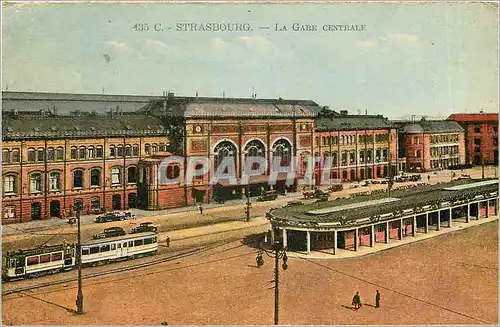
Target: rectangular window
x=128, y=151
x=36, y=183
x=9, y=184
x=50, y=154
x=15, y=156
x=98, y=152
x=40, y=155
x=45, y=258
x=32, y=260
x=81, y=153
x=138, y=242
x=57, y=256
x=74, y=153
x=112, y=151
x=94, y=250
x=130, y=243
x=9, y=212
x=148, y=241
x=85, y=251
x=95, y=203
x=59, y=154
x=113, y=247
x=90, y=153
x=54, y=181
x=124, y=244
x=119, y=151
x=115, y=176
x=104, y=248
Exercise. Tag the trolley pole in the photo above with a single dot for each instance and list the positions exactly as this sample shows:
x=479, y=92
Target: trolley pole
x=276, y=285
x=247, y=209
x=79, y=296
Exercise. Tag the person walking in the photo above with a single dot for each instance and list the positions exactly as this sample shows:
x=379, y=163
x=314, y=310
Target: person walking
x=356, y=301
x=377, y=299
x=200, y=207
x=168, y=242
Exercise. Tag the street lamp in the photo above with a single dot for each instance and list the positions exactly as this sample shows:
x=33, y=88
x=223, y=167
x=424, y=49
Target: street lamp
x=248, y=205
x=279, y=253
x=79, y=296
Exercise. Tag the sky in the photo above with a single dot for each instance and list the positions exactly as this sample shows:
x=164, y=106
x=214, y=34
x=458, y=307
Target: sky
x=428, y=59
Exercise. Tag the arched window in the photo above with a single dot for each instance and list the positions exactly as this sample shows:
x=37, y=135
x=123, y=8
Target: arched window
x=342, y=140
x=31, y=155
x=369, y=157
x=5, y=156
x=155, y=148
x=116, y=175
x=119, y=151
x=60, y=153
x=352, y=157
x=162, y=147
x=222, y=150
x=74, y=152
x=385, y=152
x=10, y=184
x=335, y=159
x=135, y=150
x=98, y=152
x=112, y=151
x=132, y=174
x=40, y=155
x=361, y=156
x=35, y=182
x=128, y=150
x=82, y=152
x=90, y=152
x=173, y=171
x=147, y=148
x=344, y=158
x=78, y=178
x=15, y=158
x=50, y=154
x=282, y=149
x=255, y=148
x=54, y=181
x=95, y=177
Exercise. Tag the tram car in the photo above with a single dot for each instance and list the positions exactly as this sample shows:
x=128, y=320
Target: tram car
x=62, y=257
x=36, y=262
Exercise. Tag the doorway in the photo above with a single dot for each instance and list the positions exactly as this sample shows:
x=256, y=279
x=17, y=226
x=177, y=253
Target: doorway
x=36, y=211
x=132, y=200
x=55, y=208
x=117, y=201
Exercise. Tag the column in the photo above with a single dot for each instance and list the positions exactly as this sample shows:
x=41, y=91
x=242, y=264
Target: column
x=285, y=243
x=467, y=216
x=426, y=222
x=496, y=207
x=387, y=232
x=372, y=236
x=334, y=242
x=401, y=229
x=438, y=226
x=449, y=218
x=356, y=239
x=308, y=242
x=414, y=226
x=487, y=208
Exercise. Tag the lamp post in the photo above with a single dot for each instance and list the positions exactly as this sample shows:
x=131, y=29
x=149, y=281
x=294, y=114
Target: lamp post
x=248, y=205
x=79, y=296
x=278, y=253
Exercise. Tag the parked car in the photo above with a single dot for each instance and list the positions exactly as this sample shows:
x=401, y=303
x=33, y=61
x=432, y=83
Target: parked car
x=268, y=196
x=144, y=227
x=113, y=216
x=110, y=232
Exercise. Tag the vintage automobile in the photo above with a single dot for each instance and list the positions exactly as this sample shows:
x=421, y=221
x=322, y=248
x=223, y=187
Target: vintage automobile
x=336, y=188
x=144, y=227
x=113, y=216
x=268, y=196
x=321, y=195
x=110, y=232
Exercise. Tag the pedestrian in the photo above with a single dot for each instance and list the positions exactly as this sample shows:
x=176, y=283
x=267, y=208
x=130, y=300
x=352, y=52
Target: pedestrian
x=168, y=242
x=428, y=178
x=377, y=299
x=356, y=301
x=200, y=207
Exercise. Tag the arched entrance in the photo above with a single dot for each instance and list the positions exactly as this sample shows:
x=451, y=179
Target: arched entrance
x=55, y=208
x=36, y=211
x=116, y=201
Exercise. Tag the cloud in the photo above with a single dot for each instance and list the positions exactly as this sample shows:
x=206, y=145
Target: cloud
x=253, y=42
x=118, y=45
x=366, y=44
x=402, y=37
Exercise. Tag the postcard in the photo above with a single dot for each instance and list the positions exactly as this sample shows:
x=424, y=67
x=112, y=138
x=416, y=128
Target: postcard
x=250, y=163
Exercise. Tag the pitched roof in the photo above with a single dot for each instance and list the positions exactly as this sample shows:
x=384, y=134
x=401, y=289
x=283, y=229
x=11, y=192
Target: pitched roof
x=432, y=126
x=65, y=103
x=28, y=126
x=351, y=122
x=476, y=117
x=232, y=107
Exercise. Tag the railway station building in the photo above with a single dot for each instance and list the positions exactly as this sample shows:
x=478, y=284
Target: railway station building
x=349, y=223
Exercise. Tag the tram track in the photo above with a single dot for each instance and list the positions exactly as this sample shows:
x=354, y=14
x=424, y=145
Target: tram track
x=188, y=253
